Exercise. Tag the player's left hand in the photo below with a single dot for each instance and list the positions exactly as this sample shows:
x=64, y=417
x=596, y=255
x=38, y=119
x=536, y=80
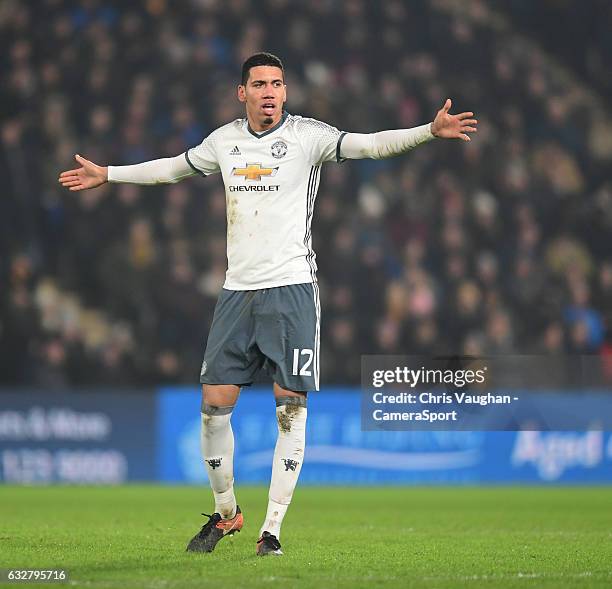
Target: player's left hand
x=450, y=126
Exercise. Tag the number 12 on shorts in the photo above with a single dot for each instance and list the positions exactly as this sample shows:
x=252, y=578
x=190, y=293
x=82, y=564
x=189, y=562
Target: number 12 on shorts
x=305, y=356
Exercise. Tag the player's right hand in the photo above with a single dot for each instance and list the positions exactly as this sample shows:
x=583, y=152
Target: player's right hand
x=89, y=175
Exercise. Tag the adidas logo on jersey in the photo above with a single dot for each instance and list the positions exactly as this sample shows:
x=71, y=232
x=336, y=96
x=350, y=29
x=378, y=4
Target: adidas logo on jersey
x=235, y=151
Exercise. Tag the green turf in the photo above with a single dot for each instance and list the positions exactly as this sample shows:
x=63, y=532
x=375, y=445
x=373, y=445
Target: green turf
x=333, y=537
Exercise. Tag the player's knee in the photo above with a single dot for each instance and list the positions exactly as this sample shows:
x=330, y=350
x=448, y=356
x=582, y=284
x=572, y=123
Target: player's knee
x=220, y=395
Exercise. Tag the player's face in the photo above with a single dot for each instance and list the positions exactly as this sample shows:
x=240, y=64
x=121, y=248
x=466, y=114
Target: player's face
x=264, y=95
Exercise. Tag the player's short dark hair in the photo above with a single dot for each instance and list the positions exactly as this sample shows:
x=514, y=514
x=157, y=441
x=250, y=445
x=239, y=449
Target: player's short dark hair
x=260, y=59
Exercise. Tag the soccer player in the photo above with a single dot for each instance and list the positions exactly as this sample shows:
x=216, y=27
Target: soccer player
x=268, y=312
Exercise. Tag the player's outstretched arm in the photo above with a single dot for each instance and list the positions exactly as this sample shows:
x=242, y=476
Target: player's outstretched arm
x=162, y=171
x=386, y=144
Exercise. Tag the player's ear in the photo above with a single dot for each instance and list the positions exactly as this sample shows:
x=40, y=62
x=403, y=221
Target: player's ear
x=241, y=93
x=284, y=93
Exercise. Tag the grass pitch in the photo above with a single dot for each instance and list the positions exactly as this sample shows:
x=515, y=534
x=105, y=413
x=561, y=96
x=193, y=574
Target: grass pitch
x=135, y=536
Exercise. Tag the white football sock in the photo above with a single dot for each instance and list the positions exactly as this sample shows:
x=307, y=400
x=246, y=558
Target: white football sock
x=288, y=457
x=217, y=440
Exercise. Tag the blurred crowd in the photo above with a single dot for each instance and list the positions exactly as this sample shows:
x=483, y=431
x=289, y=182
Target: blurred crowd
x=588, y=27
x=499, y=246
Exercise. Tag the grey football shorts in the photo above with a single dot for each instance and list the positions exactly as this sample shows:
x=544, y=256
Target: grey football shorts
x=275, y=329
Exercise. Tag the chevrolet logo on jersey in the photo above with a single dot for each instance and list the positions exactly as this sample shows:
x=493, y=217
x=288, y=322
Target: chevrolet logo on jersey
x=254, y=172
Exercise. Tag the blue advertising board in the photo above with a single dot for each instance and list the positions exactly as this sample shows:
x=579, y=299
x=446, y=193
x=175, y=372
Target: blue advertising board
x=77, y=437
x=113, y=437
x=338, y=451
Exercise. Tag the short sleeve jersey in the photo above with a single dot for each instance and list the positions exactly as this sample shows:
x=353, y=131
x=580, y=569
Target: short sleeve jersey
x=271, y=181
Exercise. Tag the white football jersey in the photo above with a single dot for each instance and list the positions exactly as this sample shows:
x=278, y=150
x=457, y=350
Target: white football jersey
x=271, y=181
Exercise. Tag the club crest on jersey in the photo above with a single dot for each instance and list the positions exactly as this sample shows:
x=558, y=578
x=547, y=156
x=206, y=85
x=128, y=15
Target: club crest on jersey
x=279, y=149
x=254, y=172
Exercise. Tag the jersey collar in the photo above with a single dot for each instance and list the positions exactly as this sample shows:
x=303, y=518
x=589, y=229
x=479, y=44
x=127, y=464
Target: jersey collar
x=271, y=130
